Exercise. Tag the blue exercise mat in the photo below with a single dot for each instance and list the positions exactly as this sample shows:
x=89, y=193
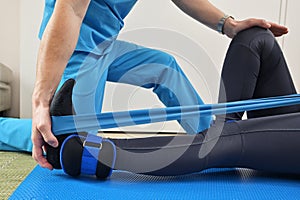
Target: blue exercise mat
x=215, y=184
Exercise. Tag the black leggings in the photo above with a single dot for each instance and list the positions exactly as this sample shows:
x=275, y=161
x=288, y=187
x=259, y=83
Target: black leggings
x=268, y=144
x=255, y=67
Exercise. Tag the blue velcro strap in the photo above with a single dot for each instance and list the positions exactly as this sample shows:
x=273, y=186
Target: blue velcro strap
x=91, y=149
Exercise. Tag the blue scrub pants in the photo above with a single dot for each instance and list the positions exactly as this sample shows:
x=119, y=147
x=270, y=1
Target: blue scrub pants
x=136, y=65
x=125, y=63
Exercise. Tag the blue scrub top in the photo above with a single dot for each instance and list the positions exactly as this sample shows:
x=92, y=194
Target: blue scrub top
x=101, y=25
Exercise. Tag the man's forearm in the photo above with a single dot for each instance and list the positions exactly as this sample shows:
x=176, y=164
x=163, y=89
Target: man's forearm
x=57, y=45
x=202, y=11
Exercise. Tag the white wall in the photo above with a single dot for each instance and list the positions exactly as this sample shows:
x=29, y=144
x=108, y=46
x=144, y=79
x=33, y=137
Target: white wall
x=291, y=43
x=30, y=18
x=10, y=46
x=19, y=22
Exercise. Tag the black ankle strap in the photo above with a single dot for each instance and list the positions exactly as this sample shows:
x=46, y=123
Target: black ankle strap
x=90, y=155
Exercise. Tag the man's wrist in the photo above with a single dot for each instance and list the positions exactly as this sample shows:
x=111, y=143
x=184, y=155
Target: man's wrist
x=41, y=97
x=222, y=22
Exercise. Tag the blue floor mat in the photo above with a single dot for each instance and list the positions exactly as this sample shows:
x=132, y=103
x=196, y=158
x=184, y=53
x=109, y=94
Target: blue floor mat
x=215, y=184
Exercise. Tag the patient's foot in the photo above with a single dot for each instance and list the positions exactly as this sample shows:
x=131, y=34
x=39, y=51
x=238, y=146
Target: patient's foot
x=61, y=105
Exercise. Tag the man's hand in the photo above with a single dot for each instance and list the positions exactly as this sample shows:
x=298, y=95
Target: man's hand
x=41, y=134
x=232, y=27
x=278, y=30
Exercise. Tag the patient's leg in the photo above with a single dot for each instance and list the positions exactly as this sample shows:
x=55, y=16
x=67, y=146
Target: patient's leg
x=255, y=67
x=268, y=144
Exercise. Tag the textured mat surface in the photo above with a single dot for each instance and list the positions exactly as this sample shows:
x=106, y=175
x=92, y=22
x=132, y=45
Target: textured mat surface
x=210, y=184
x=14, y=167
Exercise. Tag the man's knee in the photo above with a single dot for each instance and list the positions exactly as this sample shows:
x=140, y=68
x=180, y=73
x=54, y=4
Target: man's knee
x=165, y=58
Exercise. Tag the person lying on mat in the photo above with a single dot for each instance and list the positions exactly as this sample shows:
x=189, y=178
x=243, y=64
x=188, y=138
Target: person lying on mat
x=78, y=40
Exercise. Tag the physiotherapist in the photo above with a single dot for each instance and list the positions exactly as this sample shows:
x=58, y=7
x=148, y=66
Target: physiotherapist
x=79, y=41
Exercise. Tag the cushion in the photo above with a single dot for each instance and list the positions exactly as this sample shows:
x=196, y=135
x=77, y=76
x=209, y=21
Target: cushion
x=5, y=96
x=6, y=74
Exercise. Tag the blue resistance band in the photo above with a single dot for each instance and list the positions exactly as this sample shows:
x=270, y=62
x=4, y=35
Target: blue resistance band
x=69, y=124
